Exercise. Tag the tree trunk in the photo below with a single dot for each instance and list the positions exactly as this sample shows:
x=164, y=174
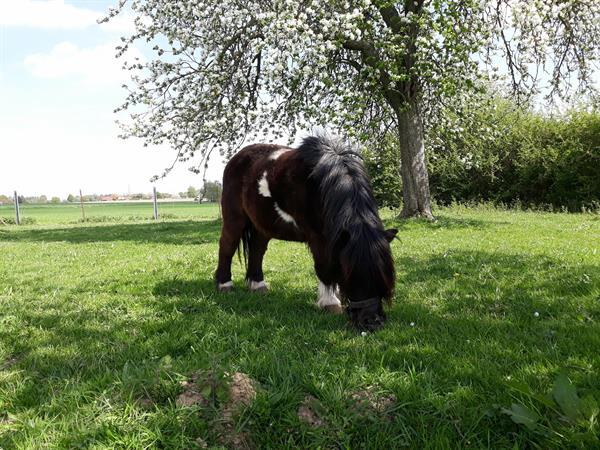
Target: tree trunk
x=415, y=179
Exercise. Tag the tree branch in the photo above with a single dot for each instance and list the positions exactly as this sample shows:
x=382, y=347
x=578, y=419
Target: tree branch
x=371, y=58
x=391, y=17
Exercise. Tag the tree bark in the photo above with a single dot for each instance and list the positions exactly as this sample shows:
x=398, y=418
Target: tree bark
x=415, y=179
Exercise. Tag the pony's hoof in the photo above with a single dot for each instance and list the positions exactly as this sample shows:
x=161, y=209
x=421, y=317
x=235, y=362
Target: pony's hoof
x=258, y=286
x=225, y=287
x=334, y=309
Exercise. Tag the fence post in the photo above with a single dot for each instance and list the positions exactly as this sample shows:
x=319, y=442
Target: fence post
x=81, y=203
x=219, y=193
x=17, y=212
x=155, y=204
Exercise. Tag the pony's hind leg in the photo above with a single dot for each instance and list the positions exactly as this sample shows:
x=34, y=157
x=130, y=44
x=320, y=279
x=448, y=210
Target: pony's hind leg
x=231, y=233
x=257, y=246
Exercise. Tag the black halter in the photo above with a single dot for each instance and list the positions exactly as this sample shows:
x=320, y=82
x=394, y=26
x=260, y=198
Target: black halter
x=363, y=303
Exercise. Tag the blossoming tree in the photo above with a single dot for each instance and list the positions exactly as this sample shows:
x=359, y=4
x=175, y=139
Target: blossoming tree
x=228, y=71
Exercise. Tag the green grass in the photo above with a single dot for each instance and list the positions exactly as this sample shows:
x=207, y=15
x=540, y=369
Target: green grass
x=95, y=317
x=100, y=212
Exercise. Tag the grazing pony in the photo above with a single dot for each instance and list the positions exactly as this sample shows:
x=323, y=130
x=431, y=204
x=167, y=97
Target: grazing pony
x=318, y=193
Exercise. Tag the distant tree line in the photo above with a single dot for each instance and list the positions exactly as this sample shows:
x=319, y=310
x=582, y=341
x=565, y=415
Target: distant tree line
x=209, y=192
x=42, y=199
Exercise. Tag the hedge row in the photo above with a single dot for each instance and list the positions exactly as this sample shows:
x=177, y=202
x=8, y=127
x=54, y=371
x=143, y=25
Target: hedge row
x=506, y=155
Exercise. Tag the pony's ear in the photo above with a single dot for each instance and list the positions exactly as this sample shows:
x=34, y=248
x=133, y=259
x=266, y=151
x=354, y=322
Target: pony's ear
x=390, y=234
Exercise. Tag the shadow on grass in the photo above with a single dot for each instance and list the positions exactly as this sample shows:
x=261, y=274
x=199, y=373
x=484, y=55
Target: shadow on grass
x=516, y=278
x=474, y=326
x=189, y=232
x=274, y=305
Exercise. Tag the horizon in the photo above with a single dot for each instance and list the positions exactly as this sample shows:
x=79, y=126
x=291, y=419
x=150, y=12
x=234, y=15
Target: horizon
x=10, y=195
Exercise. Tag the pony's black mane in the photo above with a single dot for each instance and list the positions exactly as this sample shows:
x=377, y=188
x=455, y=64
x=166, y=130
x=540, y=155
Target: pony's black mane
x=349, y=210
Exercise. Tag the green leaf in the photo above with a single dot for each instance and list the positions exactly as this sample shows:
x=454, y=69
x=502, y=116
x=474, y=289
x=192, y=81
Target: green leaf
x=589, y=407
x=522, y=415
x=545, y=399
x=519, y=386
x=526, y=390
x=565, y=395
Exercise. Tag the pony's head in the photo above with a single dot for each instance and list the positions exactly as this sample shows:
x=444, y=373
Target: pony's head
x=357, y=244
x=367, y=275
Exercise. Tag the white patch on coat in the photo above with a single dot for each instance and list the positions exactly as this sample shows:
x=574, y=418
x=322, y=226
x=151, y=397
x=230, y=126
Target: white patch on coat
x=277, y=153
x=285, y=216
x=227, y=284
x=327, y=296
x=255, y=285
x=263, y=186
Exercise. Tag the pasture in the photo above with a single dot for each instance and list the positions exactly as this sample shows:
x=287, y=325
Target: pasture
x=108, y=212
x=104, y=325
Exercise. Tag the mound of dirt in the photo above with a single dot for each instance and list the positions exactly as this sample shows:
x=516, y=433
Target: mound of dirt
x=145, y=402
x=242, y=392
x=205, y=388
x=192, y=390
x=372, y=399
x=308, y=412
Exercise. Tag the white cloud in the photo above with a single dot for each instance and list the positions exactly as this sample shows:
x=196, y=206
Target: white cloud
x=61, y=151
x=94, y=66
x=121, y=24
x=56, y=14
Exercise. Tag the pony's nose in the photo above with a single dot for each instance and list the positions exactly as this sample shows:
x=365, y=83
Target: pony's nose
x=373, y=323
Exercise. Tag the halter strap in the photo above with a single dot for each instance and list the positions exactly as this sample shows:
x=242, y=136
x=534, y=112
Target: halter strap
x=363, y=303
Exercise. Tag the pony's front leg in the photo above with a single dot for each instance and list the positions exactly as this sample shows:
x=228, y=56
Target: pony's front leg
x=257, y=246
x=328, y=298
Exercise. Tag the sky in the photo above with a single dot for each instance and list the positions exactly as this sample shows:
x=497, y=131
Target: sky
x=59, y=85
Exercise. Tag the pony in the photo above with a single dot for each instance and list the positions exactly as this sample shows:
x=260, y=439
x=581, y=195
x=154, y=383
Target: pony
x=319, y=194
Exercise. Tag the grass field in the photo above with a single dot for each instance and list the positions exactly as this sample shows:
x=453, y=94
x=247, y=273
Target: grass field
x=108, y=212
x=104, y=325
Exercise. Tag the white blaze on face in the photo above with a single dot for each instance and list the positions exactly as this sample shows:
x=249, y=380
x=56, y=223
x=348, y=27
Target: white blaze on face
x=263, y=186
x=327, y=296
x=285, y=216
x=277, y=153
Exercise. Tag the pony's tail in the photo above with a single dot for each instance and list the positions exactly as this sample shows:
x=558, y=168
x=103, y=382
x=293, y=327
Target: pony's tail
x=245, y=245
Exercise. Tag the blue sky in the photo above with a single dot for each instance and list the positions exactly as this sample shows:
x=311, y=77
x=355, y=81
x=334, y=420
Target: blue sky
x=59, y=83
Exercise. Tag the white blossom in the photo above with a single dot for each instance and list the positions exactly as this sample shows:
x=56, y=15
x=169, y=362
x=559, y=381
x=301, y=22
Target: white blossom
x=226, y=72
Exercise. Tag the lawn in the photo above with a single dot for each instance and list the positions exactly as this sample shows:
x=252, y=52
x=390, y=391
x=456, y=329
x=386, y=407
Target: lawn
x=104, y=326
x=108, y=212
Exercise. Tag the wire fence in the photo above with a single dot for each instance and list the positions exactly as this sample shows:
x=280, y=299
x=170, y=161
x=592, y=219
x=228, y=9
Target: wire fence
x=19, y=212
